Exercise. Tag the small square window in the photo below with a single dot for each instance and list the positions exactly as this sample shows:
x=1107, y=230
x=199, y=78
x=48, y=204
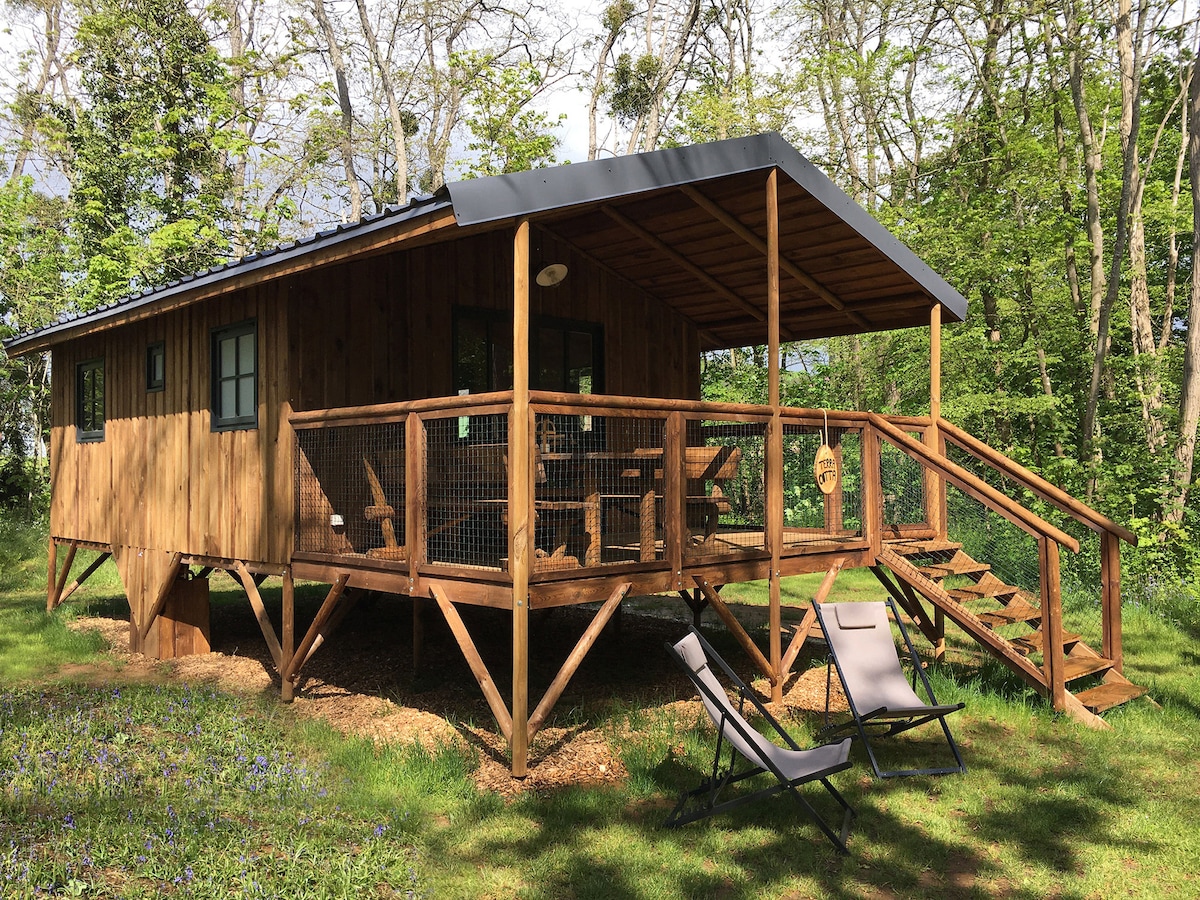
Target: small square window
x=235, y=377
x=156, y=367
x=89, y=400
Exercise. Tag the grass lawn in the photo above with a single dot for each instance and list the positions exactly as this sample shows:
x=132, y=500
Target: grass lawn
x=117, y=788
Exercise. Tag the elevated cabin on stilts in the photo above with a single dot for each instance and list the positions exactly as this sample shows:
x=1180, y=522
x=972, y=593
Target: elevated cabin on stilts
x=492, y=396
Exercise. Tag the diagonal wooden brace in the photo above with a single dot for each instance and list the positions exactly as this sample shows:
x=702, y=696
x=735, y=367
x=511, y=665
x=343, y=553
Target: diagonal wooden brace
x=83, y=576
x=736, y=629
x=164, y=591
x=250, y=583
x=349, y=599
x=475, y=661
x=301, y=655
x=576, y=657
x=56, y=593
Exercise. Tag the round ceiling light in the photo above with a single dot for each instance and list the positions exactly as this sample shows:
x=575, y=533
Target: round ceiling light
x=552, y=275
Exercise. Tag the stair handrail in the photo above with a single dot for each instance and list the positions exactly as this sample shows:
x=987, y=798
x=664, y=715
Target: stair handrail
x=973, y=485
x=1049, y=492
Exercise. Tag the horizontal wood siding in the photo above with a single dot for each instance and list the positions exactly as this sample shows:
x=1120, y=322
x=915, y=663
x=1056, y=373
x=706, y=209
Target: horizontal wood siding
x=162, y=479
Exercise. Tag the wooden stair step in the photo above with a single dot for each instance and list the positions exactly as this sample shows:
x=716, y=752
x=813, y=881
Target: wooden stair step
x=1105, y=696
x=1032, y=642
x=1017, y=611
x=959, y=564
x=1081, y=666
x=979, y=591
x=923, y=548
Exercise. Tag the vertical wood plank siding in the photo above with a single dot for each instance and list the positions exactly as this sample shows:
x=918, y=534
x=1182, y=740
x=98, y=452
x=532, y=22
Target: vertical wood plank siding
x=369, y=331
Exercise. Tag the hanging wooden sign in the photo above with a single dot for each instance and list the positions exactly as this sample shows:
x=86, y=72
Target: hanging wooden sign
x=825, y=470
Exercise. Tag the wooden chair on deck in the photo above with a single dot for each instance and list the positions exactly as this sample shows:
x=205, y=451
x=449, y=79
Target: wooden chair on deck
x=718, y=464
x=382, y=512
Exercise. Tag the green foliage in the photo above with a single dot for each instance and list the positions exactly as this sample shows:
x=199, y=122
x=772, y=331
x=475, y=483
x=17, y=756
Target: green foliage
x=634, y=86
x=150, y=183
x=507, y=133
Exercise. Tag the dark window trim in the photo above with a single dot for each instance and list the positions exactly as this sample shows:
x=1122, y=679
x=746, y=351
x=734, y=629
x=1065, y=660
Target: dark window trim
x=232, y=423
x=153, y=384
x=83, y=435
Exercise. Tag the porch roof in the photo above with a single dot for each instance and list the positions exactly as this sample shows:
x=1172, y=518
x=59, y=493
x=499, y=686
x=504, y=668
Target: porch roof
x=687, y=225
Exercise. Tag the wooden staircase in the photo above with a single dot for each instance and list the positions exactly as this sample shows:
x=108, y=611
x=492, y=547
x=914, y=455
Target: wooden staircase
x=1004, y=619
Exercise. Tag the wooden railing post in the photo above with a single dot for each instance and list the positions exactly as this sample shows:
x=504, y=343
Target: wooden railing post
x=674, y=499
x=1053, y=660
x=774, y=460
x=872, y=490
x=416, y=486
x=1110, y=590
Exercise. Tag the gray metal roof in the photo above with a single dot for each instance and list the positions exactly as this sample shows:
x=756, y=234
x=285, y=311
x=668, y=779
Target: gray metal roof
x=558, y=191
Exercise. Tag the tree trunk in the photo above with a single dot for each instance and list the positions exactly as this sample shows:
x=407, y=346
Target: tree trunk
x=385, y=79
x=346, y=136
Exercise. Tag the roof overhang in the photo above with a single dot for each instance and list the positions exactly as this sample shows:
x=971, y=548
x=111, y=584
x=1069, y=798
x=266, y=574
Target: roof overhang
x=686, y=225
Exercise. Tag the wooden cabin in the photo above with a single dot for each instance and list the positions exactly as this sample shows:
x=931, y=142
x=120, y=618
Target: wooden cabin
x=492, y=396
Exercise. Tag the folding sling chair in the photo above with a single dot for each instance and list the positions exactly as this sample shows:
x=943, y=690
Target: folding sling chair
x=790, y=765
x=882, y=702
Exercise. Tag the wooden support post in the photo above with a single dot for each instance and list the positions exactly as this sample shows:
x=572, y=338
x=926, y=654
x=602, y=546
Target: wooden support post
x=287, y=640
x=939, y=629
x=1110, y=587
x=478, y=669
x=935, y=485
x=260, y=613
x=696, y=603
x=674, y=495
x=164, y=591
x=735, y=628
x=416, y=523
x=520, y=503
x=872, y=490
x=1053, y=659
x=56, y=593
x=292, y=667
x=611, y=605
x=774, y=460
x=51, y=573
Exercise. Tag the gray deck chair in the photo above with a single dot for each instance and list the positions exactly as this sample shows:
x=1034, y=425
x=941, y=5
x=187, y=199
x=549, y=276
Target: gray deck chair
x=882, y=702
x=790, y=765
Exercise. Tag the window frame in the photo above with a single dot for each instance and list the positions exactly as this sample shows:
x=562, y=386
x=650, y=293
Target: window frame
x=157, y=350
x=85, y=405
x=218, y=335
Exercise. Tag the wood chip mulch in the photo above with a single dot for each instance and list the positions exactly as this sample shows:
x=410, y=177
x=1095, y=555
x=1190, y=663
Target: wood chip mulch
x=363, y=682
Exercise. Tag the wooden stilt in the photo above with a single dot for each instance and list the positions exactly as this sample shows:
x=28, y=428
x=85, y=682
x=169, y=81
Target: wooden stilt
x=164, y=591
x=696, y=603
x=475, y=661
x=60, y=582
x=293, y=665
x=260, y=613
x=735, y=628
x=799, y=636
x=51, y=573
x=287, y=637
x=521, y=478
x=84, y=576
x=611, y=605
x=774, y=454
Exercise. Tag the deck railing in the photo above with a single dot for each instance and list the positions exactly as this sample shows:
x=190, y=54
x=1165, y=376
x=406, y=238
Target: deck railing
x=619, y=482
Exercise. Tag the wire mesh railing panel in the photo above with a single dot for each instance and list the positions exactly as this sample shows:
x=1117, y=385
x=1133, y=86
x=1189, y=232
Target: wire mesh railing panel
x=1078, y=569
x=988, y=537
x=467, y=495
x=350, y=490
x=598, y=490
x=809, y=514
x=902, y=479
x=725, y=481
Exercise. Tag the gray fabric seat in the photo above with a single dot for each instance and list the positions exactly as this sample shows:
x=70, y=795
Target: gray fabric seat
x=881, y=699
x=790, y=765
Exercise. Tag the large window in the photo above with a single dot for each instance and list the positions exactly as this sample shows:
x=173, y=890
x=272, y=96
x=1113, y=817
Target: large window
x=564, y=356
x=89, y=400
x=235, y=377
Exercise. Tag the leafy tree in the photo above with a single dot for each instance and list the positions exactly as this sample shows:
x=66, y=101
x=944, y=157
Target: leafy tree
x=507, y=132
